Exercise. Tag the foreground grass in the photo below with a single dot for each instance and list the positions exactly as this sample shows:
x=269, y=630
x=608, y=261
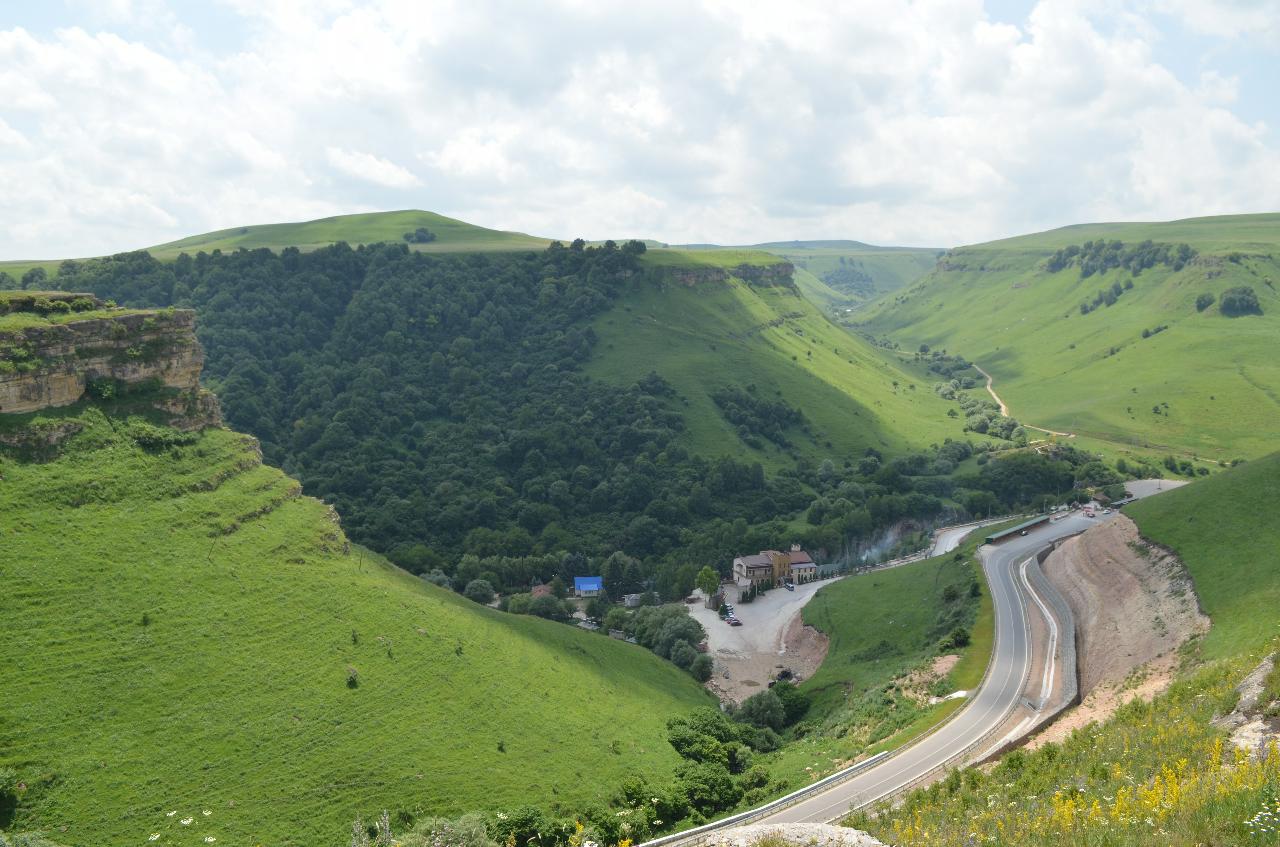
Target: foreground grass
x=1155, y=774
x=182, y=631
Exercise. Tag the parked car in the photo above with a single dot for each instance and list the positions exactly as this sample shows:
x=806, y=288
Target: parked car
x=790, y=586
x=734, y=622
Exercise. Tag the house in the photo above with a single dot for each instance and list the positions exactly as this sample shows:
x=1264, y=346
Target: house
x=752, y=570
x=803, y=568
x=631, y=601
x=588, y=586
x=773, y=566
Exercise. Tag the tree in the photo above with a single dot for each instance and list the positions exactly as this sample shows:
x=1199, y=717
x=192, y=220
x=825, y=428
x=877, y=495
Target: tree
x=702, y=667
x=708, y=581
x=616, y=618
x=480, y=591
x=1238, y=301
x=597, y=608
x=763, y=710
x=558, y=588
x=1204, y=301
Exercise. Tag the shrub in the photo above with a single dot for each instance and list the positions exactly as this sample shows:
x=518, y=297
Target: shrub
x=683, y=655
x=762, y=710
x=1204, y=301
x=466, y=831
x=957, y=638
x=479, y=591
x=1238, y=301
x=353, y=677
x=702, y=667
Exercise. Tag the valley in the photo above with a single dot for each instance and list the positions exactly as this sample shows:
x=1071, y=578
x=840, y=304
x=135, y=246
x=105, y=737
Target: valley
x=498, y=420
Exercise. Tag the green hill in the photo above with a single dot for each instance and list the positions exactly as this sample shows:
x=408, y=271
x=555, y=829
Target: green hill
x=1224, y=529
x=184, y=632
x=1129, y=358
x=706, y=334
x=368, y=228
x=450, y=235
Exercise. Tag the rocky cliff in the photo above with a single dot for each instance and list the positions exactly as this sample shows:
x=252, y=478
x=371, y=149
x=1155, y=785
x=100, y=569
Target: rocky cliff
x=55, y=348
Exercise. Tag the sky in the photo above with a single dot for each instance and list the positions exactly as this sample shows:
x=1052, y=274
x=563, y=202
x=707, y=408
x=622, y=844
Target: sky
x=127, y=123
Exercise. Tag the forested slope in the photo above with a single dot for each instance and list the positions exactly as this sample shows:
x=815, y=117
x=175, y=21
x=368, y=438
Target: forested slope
x=1150, y=334
x=487, y=414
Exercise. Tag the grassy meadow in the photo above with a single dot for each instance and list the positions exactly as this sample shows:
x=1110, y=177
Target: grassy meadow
x=185, y=633
x=1205, y=385
x=710, y=335
x=1225, y=530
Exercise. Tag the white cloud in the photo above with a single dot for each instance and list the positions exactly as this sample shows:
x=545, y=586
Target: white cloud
x=925, y=123
x=369, y=167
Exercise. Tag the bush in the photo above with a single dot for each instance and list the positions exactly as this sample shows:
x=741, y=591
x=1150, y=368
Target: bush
x=957, y=638
x=466, y=831
x=683, y=655
x=1204, y=301
x=763, y=710
x=1239, y=301
x=795, y=703
x=421, y=235
x=479, y=591
x=702, y=667
x=353, y=678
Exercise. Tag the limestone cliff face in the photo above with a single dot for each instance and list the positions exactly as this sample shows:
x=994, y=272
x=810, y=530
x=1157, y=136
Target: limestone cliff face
x=54, y=363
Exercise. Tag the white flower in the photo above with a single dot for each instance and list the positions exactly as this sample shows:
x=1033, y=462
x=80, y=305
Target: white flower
x=186, y=821
x=171, y=814
x=154, y=836
x=206, y=813
x=209, y=839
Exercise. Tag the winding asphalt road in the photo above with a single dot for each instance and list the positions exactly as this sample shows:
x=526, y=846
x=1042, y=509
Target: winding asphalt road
x=957, y=739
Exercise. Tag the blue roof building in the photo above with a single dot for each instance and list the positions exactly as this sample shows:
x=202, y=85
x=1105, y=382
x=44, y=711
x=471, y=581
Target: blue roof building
x=588, y=586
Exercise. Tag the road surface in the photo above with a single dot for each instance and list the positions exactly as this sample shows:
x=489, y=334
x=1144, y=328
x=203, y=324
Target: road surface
x=1001, y=691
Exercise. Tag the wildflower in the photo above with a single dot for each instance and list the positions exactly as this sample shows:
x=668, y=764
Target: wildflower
x=155, y=836
x=206, y=813
x=186, y=821
x=209, y=839
x=171, y=814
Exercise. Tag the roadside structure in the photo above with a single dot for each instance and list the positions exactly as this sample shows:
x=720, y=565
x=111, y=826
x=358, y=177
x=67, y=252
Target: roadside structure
x=588, y=586
x=773, y=566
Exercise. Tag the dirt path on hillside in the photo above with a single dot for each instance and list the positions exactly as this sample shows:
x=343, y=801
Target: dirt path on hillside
x=1134, y=605
x=1004, y=409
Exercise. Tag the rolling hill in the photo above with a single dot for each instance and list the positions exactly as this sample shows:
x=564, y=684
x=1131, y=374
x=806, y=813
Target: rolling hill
x=186, y=634
x=451, y=235
x=370, y=228
x=705, y=331
x=1146, y=358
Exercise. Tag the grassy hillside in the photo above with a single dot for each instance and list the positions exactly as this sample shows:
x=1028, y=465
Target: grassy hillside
x=707, y=335
x=1199, y=383
x=182, y=631
x=451, y=235
x=1224, y=529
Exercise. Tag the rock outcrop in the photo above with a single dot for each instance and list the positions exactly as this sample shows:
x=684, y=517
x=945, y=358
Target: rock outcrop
x=53, y=357
x=776, y=274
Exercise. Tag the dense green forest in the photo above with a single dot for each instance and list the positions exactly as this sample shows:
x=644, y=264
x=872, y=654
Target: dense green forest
x=438, y=402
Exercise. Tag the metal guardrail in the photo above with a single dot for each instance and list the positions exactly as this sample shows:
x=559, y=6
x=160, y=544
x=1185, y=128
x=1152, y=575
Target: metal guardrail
x=692, y=836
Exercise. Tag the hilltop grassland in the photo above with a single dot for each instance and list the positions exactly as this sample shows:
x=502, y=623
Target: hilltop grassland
x=707, y=336
x=448, y=235
x=1149, y=360
x=186, y=633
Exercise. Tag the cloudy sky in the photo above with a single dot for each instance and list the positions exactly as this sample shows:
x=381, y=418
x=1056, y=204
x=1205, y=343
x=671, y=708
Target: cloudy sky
x=125, y=123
